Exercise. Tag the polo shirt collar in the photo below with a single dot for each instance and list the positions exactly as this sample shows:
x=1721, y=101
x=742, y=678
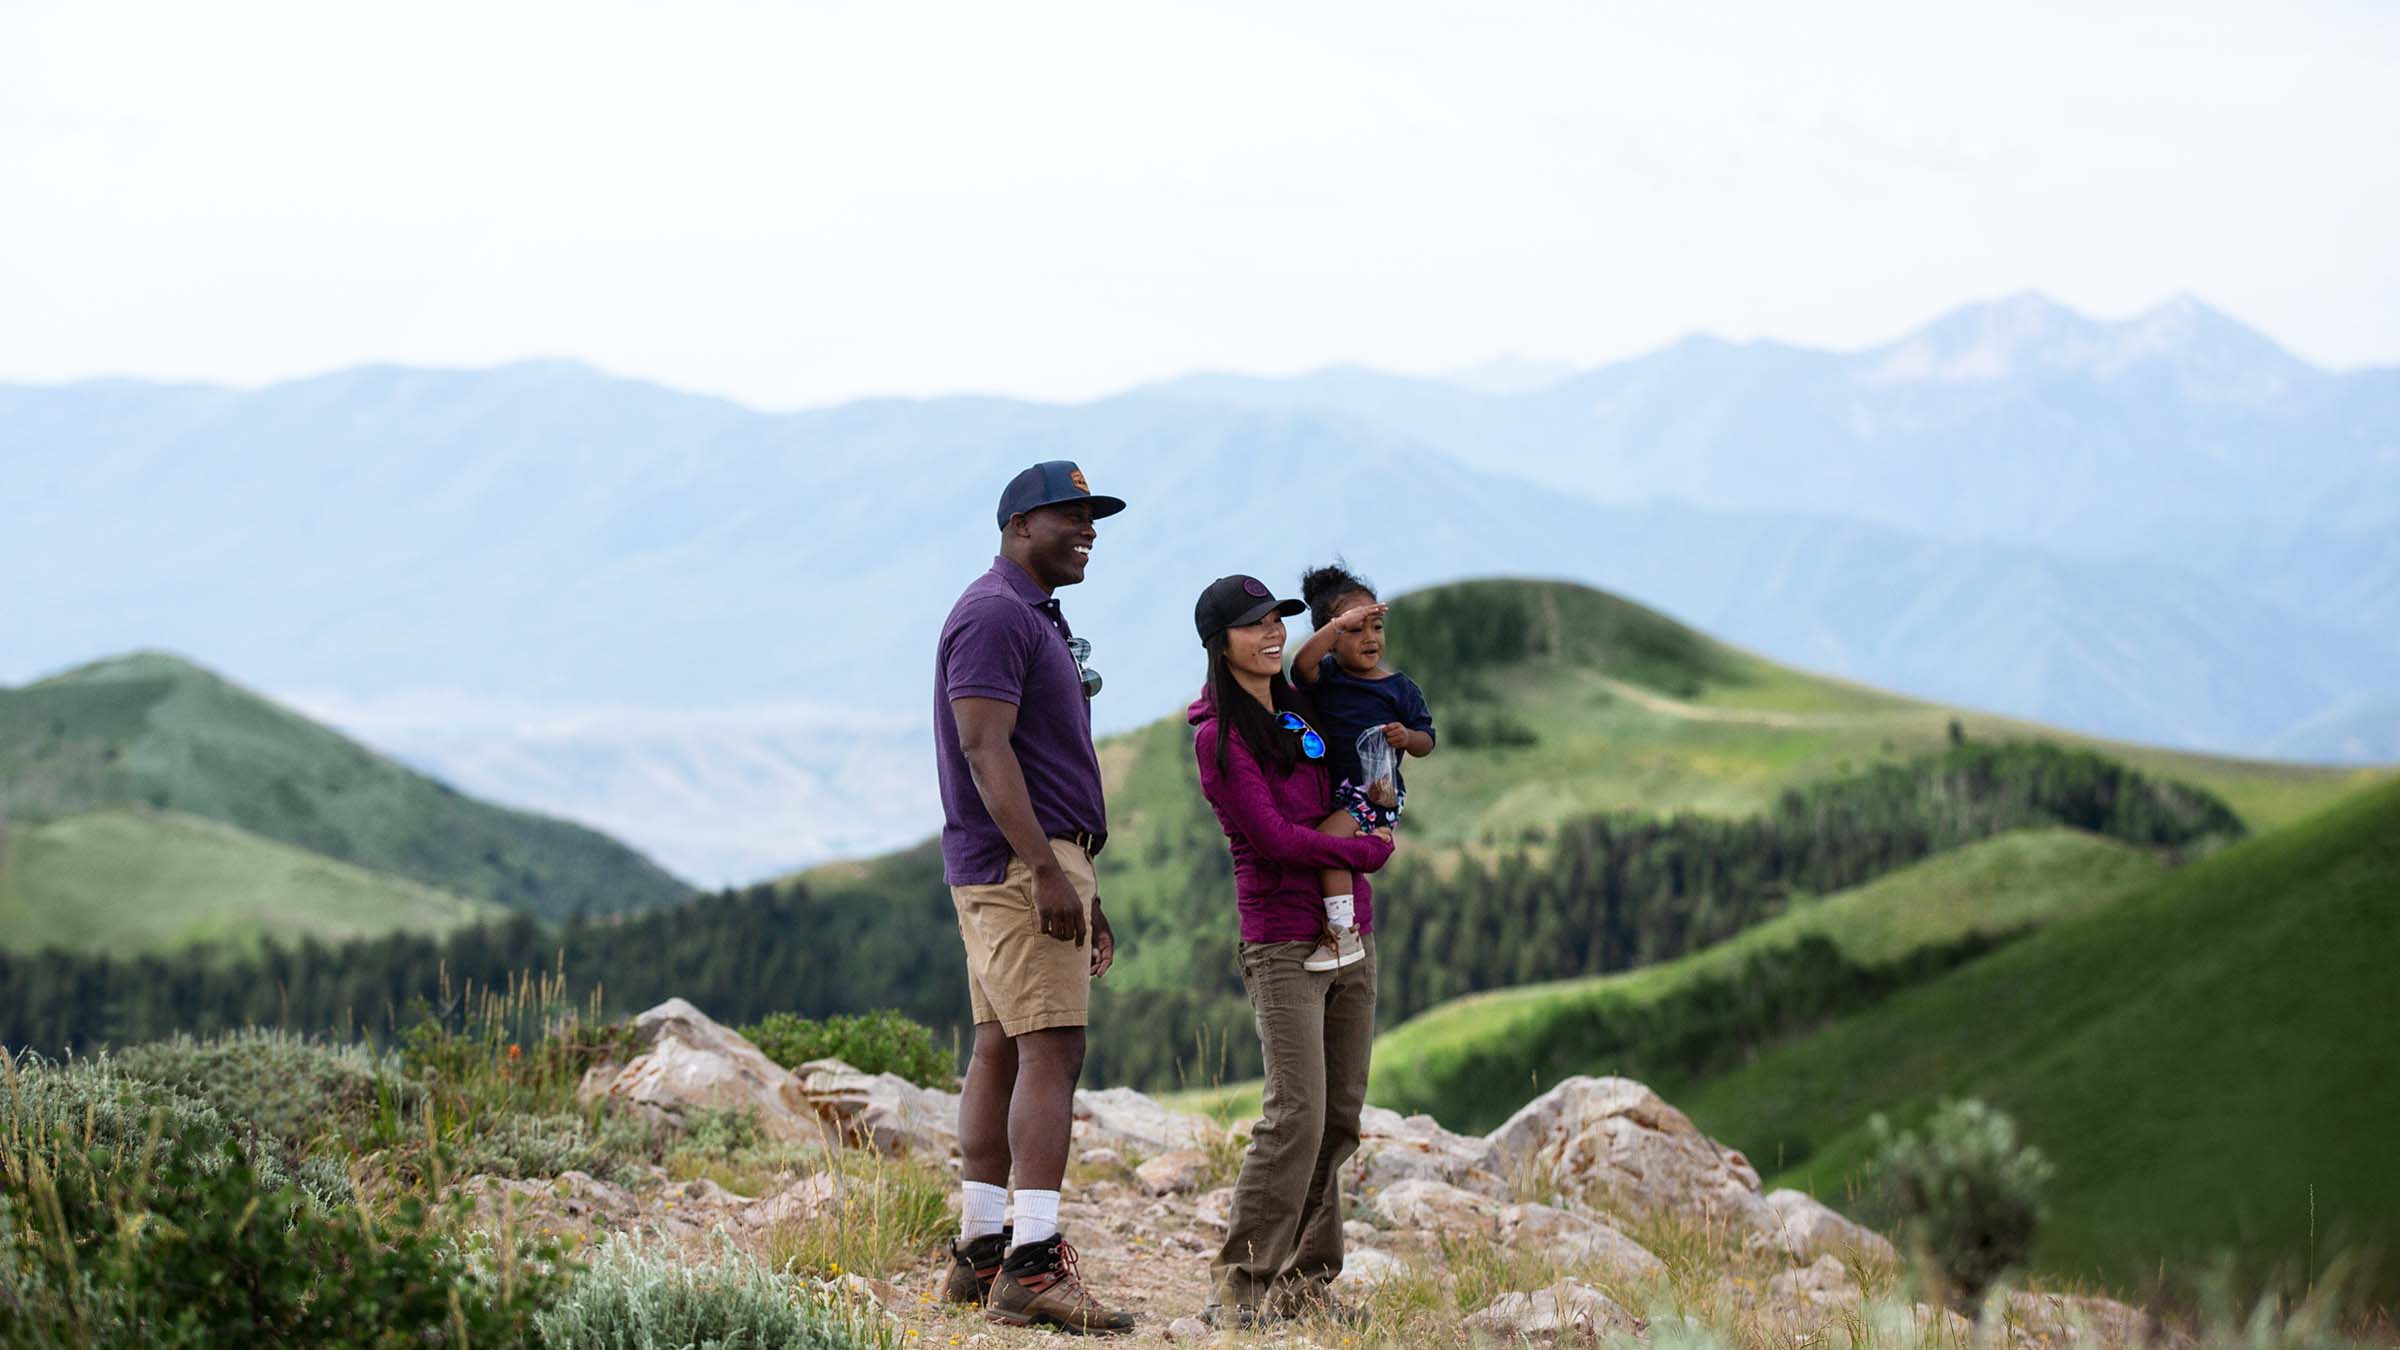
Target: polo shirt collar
x=1022, y=583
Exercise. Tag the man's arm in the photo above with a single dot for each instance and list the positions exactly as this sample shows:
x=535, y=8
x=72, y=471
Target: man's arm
x=984, y=728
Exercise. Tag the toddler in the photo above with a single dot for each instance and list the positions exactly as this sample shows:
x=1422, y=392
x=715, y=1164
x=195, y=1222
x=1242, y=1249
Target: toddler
x=1372, y=716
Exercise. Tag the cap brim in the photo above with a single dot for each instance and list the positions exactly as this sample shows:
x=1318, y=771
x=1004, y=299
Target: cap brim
x=1286, y=608
x=1102, y=507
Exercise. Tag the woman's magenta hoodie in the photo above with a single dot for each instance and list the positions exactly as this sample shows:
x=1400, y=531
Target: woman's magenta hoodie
x=1271, y=821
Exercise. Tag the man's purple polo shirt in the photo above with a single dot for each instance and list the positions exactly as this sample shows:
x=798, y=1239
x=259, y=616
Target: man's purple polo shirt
x=1006, y=639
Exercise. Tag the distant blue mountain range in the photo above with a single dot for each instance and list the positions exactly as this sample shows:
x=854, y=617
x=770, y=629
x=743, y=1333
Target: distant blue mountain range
x=2166, y=529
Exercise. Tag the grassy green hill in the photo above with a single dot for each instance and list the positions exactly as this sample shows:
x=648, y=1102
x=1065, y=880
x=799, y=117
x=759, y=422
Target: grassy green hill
x=2206, y=1059
x=1998, y=886
x=150, y=730
x=131, y=880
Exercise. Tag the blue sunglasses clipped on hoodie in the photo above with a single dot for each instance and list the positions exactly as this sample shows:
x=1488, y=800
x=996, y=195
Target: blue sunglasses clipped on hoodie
x=1311, y=744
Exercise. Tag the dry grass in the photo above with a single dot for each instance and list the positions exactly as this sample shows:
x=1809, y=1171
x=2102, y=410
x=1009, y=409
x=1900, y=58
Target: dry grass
x=888, y=1212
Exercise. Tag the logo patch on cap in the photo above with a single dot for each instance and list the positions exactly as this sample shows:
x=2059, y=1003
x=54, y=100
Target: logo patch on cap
x=1075, y=476
x=1255, y=587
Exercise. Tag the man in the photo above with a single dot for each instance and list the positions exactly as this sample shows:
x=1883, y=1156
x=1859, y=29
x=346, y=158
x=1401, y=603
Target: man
x=1022, y=820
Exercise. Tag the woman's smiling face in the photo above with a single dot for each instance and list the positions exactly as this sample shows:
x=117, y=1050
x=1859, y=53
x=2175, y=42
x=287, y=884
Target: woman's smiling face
x=1256, y=649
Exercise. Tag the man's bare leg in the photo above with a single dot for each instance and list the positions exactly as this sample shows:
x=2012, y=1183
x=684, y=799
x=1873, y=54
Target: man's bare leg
x=983, y=1107
x=983, y=1163
x=1041, y=1117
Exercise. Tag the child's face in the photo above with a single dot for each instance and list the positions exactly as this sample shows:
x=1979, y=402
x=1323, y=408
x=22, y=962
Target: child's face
x=1361, y=652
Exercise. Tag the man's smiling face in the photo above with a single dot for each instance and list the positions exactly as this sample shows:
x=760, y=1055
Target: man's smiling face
x=1056, y=542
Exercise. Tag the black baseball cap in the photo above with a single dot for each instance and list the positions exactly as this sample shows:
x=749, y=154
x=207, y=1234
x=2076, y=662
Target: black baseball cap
x=1052, y=483
x=1235, y=602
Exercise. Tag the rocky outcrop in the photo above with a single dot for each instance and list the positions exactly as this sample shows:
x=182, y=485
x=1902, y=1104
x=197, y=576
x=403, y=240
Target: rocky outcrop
x=1823, y=1283
x=1365, y=1268
x=1578, y=1238
x=1567, y=1311
x=684, y=1061
x=1615, y=1141
x=1176, y=1173
x=881, y=1111
x=1125, y=1120
x=1438, y=1207
x=1806, y=1227
x=1610, y=1142
x=1394, y=1148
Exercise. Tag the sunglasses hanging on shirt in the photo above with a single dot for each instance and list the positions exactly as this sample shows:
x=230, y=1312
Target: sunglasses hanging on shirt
x=1081, y=650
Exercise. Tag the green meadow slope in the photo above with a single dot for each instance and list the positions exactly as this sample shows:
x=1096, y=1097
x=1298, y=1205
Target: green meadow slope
x=150, y=730
x=134, y=881
x=2212, y=1061
x=1995, y=888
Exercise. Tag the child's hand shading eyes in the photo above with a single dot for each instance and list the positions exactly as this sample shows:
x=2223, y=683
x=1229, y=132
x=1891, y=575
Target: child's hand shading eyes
x=1352, y=620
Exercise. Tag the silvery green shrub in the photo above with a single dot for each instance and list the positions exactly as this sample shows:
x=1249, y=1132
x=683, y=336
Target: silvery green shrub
x=1966, y=1190
x=629, y=1298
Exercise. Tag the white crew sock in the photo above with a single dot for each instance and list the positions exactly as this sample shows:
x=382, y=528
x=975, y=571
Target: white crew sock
x=983, y=1208
x=1037, y=1218
x=1338, y=911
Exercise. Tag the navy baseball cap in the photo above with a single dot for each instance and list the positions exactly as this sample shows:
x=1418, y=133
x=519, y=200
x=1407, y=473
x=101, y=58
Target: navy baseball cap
x=1237, y=602
x=1052, y=483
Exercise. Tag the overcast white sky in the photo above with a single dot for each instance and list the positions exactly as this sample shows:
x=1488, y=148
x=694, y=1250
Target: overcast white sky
x=798, y=203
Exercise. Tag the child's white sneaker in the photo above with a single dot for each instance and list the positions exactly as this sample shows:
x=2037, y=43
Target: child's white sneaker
x=1345, y=950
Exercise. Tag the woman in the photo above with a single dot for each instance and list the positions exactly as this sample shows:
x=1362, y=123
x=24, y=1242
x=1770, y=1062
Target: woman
x=1262, y=769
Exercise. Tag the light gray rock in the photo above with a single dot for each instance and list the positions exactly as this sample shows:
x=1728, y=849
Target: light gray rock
x=1364, y=1268
x=1394, y=1148
x=1806, y=1227
x=1438, y=1207
x=1567, y=1311
x=1176, y=1173
x=1100, y=1157
x=1615, y=1140
x=1188, y=1328
x=1215, y=1208
x=1822, y=1283
x=1358, y=1232
x=801, y=1203
x=1578, y=1238
x=882, y=1111
x=1125, y=1120
x=683, y=1061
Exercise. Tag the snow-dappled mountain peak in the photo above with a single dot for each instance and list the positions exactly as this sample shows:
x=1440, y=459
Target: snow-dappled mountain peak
x=2028, y=335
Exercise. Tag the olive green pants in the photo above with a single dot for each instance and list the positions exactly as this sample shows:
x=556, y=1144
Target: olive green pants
x=1285, y=1242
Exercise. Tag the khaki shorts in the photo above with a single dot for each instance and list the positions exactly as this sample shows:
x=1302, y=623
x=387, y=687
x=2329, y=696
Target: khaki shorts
x=1016, y=975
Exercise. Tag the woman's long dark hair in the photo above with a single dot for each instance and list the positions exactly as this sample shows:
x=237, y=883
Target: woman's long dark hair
x=1238, y=714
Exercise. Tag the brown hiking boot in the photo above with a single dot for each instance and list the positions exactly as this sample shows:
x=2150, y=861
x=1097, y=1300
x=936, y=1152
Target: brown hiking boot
x=974, y=1264
x=1039, y=1284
